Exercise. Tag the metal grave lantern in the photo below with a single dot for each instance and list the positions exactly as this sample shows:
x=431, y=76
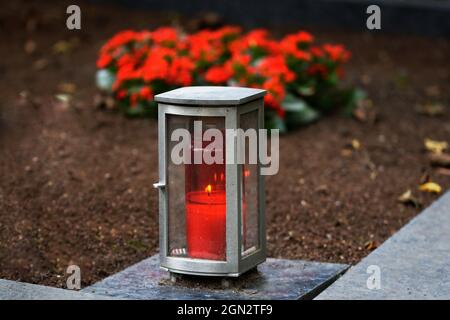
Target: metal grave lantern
x=211, y=213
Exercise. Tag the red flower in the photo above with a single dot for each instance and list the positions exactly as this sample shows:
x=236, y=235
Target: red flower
x=272, y=103
x=227, y=31
x=120, y=39
x=104, y=60
x=165, y=36
x=164, y=58
x=303, y=36
x=180, y=71
x=337, y=52
x=258, y=40
x=146, y=93
x=275, y=67
x=317, y=69
x=317, y=52
x=296, y=44
x=205, y=45
x=275, y=95
x=218, y=74
x=121, y=94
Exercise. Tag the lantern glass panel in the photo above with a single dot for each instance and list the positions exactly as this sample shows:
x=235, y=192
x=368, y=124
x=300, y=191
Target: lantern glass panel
x=249, y=199
x=196, y=192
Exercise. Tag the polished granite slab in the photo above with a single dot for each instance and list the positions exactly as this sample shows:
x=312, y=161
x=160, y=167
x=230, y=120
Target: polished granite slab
x=14, y=290
x=274, y=279
x=413, y=264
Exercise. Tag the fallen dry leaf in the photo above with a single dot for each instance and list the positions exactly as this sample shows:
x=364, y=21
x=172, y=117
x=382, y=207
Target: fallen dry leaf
x=356, y=144
x=63, y=97
x=67, y=87
x=408, y=198
x=370, y=245
x=434, y=146
x=431, y=109
x=431, y=187
x=63, y=101
x=64, y=47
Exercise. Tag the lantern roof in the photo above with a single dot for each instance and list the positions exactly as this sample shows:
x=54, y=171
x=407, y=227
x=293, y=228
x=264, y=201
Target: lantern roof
x=210, y=95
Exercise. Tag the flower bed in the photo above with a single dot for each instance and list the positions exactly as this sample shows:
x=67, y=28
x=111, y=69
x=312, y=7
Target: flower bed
x=300, y=76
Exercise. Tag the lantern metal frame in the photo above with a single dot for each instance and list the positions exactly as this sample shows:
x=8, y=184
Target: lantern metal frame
x=236, y=263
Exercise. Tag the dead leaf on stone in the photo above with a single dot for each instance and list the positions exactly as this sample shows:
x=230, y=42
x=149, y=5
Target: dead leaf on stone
x=435, y=146
x=67, y=87
x=431, y=187
x=431, y=109
x=408, y=199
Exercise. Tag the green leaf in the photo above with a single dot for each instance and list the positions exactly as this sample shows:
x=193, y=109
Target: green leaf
x=292, y=103
x=306, y=90
x=149, y=109
x=352, y=100
x=104, y=79
x=298, y=112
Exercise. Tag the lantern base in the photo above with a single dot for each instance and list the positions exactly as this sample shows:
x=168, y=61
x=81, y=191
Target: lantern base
x=211, y=268
x=177, y=273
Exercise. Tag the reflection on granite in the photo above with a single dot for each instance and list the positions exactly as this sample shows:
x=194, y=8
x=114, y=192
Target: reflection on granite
x=15, y=290
x=274, y=279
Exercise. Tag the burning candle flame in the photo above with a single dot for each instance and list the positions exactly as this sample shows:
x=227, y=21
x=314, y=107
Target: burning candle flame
x=208, y=189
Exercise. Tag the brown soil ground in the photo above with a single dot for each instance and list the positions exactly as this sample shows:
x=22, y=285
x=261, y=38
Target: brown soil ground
x=76, y=182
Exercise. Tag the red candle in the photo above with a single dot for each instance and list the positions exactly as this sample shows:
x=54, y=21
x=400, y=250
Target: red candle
x=206, y=224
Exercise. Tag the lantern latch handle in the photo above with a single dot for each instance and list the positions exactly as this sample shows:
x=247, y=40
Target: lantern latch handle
x=159, y=185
